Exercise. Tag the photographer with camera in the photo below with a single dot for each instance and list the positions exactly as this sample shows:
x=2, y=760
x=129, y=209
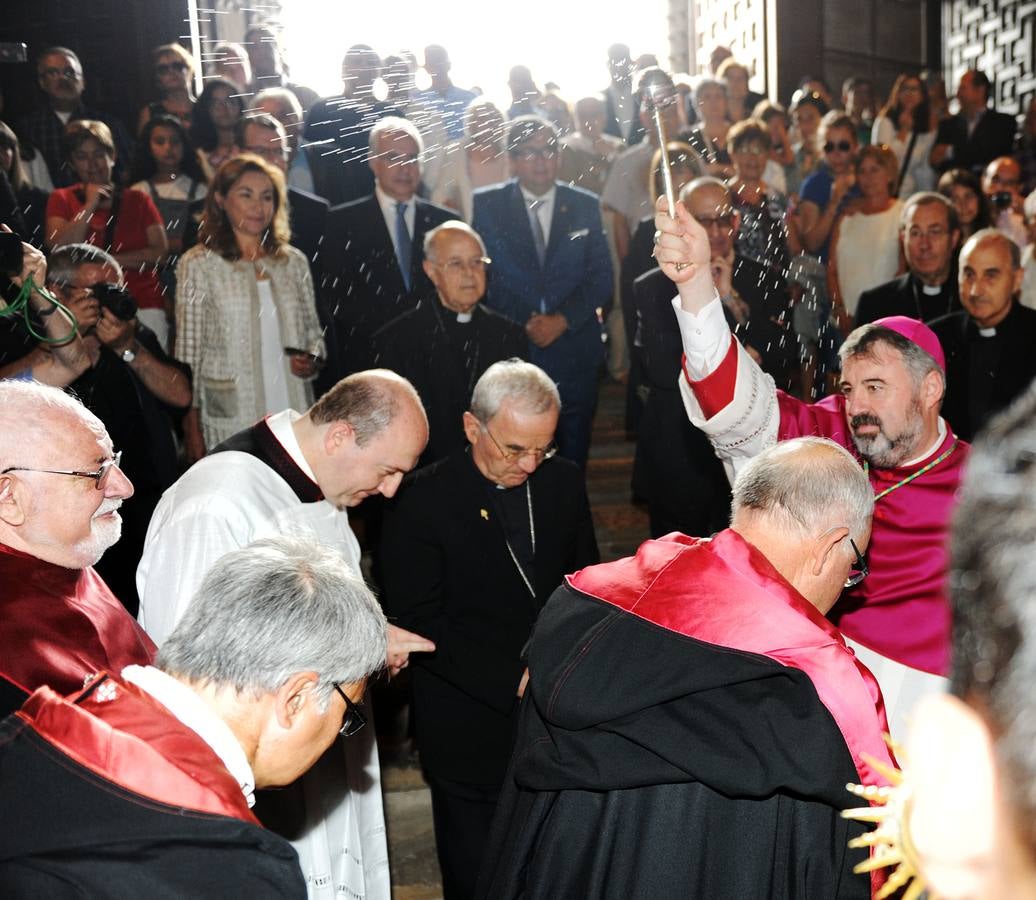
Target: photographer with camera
x=1002, y=183
x=54, y=354
x=132, y=385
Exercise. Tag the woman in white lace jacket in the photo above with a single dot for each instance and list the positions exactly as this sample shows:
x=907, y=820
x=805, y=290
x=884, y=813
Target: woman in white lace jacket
x=246, y=319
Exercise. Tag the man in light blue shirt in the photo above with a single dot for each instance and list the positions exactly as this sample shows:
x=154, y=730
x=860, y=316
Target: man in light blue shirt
x=444, y=94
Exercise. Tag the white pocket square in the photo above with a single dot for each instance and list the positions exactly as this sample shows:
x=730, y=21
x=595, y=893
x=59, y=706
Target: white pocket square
x=574, y=235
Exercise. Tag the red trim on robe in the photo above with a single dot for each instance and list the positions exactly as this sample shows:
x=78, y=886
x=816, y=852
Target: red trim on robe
x=133, y=741
x=59, y=625
x=724, y=592
x=715, y=391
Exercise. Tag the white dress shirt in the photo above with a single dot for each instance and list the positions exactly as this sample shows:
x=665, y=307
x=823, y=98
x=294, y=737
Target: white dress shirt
x=544, y=211
x=388, y=210
x=196, y=714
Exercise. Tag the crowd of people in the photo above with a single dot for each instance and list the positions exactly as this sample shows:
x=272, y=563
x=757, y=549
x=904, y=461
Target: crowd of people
x=272, y=307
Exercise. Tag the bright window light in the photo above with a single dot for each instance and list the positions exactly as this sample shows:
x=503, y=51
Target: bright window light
x=563, y=40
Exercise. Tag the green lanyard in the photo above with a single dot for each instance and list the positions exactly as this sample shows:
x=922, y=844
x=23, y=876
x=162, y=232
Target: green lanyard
x=917, y=474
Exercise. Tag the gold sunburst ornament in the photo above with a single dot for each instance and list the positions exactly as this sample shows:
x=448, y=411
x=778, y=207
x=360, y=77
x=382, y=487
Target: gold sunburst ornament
x=889, y=843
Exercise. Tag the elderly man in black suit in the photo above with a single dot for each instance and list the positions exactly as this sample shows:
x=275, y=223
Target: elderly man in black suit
x=473, y=546
x=989, y=344
x=930, y=231
x=444, y=344
x=374, y=247
x=977, y=134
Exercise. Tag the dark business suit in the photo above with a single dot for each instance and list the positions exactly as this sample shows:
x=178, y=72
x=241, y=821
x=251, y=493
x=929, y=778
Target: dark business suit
x=984, y=374
x=450, y=576
x=905, y=296
x=443, y=358
x=362, y=286
x=575, y=280
x=993, y=136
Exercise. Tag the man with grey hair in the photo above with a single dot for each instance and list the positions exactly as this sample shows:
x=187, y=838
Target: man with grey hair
x=929, y=229
x=472, y=548
x=445, y=343
x=988, y=344
x=886, y=412
x=702, y=675
x=373, y=247
x=299, y=470
x=144, y=777
x=60, y=492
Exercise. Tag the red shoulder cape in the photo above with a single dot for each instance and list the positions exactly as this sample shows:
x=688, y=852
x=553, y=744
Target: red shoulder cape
x=59, y=625
x=120, y=733
x=725, y=592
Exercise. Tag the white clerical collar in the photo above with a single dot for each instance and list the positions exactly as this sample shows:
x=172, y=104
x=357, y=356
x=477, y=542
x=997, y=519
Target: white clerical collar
x=987, y=332
x=464, y=318
x=544, y=199
x=280, y=424
x=931, y=289
x=196, y=714
x=938, y=441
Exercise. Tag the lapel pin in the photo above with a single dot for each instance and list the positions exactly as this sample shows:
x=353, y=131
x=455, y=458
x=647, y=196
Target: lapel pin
x=484, y=513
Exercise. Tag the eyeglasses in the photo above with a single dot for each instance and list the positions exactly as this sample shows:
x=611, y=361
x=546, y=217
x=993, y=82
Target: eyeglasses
x=708, y=222
x=528, y=154
x=67, y=72
x=456, y=266
x=859, y=570
x=399, y=159
x=753, y=150
x=273, y=152
x=840, y=146
x=100, y=476
x=354, y=719
x=166, y=68
x=518, y=452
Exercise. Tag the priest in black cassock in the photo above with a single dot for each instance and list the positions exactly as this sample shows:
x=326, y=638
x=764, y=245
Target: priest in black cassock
x=446, y=342
x=990, y=344
x=930, y=235
x=692, y=717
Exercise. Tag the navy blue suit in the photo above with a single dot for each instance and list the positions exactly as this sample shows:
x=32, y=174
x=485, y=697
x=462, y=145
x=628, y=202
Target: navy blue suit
x=575, y=280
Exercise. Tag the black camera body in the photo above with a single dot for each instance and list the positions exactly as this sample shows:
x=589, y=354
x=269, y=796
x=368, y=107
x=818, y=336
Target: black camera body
x=116, y=299
x=12, y=255
x=1001, y=199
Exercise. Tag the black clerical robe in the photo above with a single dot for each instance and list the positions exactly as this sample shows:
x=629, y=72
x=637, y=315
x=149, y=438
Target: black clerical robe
x=688, y=731
x=109, y=795
x=443, y=357
x=985, y=368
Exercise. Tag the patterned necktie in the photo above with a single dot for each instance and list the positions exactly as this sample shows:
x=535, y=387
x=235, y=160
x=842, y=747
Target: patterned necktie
x=403, y=244
x=538, y=238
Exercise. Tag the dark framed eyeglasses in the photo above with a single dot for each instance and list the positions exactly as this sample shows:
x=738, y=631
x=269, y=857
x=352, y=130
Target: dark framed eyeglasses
x=166, y=68
x=859, y=571
x=100, y=476
x=354, y=719
x=708, y=222
x=528, y=154
x=518, y=452
x=456, y=266
x=840, y=146
x=67, y=72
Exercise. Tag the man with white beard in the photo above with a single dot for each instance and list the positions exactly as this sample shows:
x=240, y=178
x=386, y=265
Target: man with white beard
x=60, y=492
